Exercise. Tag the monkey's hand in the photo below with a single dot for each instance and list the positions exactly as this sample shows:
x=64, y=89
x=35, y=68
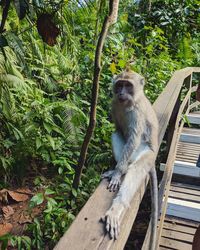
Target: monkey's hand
x=115, y=179
x=112, y=220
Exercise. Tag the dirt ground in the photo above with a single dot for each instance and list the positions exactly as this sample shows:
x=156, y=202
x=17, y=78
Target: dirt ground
x=15, y=212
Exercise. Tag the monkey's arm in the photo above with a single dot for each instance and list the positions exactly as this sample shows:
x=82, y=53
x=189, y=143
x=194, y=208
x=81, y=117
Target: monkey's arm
x=129, y=148
x=134, y=135
x=124, y=150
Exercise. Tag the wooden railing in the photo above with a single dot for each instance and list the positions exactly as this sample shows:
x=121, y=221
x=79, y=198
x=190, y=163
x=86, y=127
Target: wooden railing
x=176, y=124
x=87, y=232
x=169, y=166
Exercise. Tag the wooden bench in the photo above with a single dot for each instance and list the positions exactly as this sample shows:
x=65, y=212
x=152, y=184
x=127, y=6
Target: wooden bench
x=87, y=232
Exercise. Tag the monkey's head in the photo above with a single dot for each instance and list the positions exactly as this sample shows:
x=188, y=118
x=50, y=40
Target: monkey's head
x=128, y=87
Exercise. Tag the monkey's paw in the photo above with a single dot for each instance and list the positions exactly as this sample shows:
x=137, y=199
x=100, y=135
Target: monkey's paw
x=112, y=223
x=115, y=179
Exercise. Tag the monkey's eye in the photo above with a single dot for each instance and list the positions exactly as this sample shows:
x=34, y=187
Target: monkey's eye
x=129, y=87
x=119, y=87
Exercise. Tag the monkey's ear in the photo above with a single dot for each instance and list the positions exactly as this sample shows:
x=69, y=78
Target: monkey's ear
x=142, y=81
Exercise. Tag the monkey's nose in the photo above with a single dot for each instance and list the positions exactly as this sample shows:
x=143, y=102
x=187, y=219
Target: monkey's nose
x=122, y=97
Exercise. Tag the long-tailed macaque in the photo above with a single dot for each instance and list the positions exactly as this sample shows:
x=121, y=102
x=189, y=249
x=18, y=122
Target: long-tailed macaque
x=135, y=146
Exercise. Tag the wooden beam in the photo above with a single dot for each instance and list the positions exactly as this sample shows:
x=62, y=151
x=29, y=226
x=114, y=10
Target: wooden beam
x=194, y=118
x=184, y=168
x=177, y=235
x=183, y=209
x=174, y=244
x=190, y=138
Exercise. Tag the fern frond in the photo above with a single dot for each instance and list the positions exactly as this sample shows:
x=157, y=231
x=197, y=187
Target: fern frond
x=16, y=44
x=73, y=121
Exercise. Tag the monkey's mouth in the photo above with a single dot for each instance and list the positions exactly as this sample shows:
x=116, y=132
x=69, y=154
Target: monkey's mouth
x=122, y=98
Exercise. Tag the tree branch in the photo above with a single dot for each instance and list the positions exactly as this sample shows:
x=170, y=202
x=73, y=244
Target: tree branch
x=4, y=15
x=108, y=21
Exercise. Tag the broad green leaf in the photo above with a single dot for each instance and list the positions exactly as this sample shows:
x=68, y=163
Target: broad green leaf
x=60, y=170
x=38, y=199
x=48, y=127
x=58, y=130
x=74, y=192
x=51, y=140
x=49, y=191
x=38, y=143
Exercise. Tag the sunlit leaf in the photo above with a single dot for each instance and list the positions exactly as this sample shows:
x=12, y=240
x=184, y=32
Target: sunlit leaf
x=113, y=68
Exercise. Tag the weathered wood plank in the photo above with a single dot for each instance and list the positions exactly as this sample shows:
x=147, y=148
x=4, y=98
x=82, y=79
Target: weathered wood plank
x=191, y=131
x=179, y=228
x=190, y=138
x=177, y=235
x=188, y=186
x=185, y=190
x=187, y=158
x=180, y=221
x=190, y=135
x=189, y=148
x=185, y=145
x=184, y=168
x=174, y=244
x=188, y=154
x=184, y=196
x=194, y=118
x=183, y=209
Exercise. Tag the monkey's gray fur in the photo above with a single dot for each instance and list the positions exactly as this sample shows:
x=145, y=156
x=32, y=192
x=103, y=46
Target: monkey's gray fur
x=135, y=146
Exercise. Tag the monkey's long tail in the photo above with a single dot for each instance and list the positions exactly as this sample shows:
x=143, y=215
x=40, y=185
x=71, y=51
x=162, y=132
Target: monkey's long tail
x=154, y=209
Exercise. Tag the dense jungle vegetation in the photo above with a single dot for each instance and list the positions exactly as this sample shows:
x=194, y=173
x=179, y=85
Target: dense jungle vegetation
x=46, y=67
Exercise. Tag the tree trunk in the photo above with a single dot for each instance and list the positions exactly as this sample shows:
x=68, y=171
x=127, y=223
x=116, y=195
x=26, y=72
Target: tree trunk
x=108, y=21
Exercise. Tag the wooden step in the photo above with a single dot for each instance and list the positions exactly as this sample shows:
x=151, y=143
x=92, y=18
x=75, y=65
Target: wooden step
x=184, y=168
x=183, y=209
x=184, y=201
x=191, y=135
x=177, y=234
x=194, y=118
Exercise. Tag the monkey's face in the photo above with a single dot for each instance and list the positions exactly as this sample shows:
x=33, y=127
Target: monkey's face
x=128, y=87
x=124, y=91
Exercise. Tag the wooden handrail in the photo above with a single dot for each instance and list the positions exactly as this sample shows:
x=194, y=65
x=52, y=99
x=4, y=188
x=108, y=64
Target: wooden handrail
x=87, y=232
x=166, y=179
x=169, y=166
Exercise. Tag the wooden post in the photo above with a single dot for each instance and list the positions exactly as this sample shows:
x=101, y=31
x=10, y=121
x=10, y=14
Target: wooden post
x=171, y=126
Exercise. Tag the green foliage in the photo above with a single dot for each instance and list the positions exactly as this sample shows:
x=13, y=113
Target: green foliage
x=45, y=95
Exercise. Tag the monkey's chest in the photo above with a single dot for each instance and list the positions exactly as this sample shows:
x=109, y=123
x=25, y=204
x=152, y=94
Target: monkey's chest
x=126, y=123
